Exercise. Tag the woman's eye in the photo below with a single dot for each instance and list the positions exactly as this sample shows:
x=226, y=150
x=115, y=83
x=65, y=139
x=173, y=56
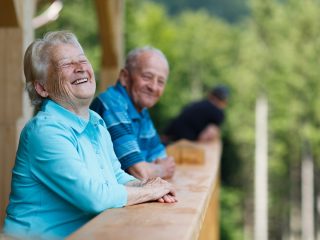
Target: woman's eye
x=65, y=65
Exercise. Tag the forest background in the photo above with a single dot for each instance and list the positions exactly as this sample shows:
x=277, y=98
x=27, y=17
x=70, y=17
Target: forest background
x=257, y=48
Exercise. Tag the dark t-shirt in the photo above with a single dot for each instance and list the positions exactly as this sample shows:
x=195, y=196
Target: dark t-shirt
x=193, y=119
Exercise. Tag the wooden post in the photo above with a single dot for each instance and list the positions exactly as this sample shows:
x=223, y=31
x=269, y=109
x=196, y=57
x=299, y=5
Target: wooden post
x=261, y=171
x=318, y=216
x=12, y=113
x=307, y=195
x=110, y=21
x=8, y=14
x=211, y=224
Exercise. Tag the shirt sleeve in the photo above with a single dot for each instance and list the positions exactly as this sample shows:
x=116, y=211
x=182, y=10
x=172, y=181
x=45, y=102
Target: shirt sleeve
x=156, y=148
x=121, y=176
x=57, y=164
x=124, y=140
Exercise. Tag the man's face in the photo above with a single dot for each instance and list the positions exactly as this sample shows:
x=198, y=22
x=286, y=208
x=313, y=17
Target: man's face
x=70, y=81
x=145, y=84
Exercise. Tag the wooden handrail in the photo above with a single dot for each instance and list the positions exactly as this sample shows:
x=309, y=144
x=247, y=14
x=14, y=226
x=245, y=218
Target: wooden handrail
x=194, y=216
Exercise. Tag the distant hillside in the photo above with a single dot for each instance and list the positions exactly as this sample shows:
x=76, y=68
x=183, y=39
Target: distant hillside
x=229, y=10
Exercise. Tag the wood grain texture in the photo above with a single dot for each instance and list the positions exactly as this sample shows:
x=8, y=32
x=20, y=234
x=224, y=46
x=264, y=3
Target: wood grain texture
x=186, y=152
x=10, y=107
x=194, y=216
x=8, y=14
x=110, y=22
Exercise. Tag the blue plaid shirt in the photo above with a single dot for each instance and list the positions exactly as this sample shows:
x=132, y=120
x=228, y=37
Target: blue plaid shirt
x=133, y=134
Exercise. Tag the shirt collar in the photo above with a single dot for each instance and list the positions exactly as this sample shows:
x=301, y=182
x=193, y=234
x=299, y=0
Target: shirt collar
x=132, y=111
x=74, y=121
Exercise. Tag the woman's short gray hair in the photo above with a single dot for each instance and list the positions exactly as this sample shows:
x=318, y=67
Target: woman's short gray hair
x=37, y=58
x=132, y=57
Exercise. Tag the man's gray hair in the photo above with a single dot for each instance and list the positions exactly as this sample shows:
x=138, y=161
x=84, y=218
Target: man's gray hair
x=37, y=59
x=132, y=57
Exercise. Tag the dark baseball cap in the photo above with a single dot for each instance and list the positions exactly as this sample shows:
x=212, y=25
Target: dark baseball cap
x=221, y=92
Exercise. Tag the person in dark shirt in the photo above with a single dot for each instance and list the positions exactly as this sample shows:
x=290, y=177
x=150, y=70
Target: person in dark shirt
x=201, y=120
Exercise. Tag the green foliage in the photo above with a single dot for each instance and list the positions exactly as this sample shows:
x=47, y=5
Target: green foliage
x=290, y=79
x=290, y=63
x=198, y=57
x=79, y=17
x=231, y=214
x=231, y=10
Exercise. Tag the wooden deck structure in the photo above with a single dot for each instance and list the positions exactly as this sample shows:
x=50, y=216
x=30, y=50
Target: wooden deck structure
x=195, y=216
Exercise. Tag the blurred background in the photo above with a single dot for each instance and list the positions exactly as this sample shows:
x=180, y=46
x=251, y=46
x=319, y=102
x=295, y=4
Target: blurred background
x=258, y=48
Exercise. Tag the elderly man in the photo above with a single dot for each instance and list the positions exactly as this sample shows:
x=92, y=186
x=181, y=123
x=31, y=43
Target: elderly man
x=124, y=108
x=66, y=171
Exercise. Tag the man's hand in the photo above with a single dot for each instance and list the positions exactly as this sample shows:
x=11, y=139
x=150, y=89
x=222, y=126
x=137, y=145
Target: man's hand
x=209, y=134
x=167, y=165
x=163, y=168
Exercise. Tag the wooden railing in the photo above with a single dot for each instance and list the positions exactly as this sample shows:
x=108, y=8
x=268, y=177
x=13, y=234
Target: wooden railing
x=194, y=216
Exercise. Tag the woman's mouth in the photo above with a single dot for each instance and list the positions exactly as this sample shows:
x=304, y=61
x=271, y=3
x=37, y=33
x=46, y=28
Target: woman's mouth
x=80, y=81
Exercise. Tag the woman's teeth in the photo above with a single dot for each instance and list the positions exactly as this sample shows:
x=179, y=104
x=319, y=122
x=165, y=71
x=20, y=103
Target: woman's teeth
x=79, y=81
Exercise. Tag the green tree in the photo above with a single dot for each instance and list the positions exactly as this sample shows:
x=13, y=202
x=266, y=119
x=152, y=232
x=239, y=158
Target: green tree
x=232, y=10
x=289, y=76
x=78, y=16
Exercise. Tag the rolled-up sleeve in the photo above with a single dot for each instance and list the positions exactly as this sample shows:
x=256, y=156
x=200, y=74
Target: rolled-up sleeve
x=124, y=140
x=121, y=176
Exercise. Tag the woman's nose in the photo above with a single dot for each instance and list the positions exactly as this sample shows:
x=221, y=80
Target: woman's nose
x=78, y=67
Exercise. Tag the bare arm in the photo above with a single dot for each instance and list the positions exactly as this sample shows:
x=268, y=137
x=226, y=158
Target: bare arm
x=210, y=133
x=163, y=168
x=155, y=189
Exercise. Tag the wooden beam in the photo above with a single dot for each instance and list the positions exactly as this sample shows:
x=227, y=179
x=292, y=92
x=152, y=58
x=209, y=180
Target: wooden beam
x=307, y=194
x=15, y=109
x=211, y=224
x=110, y=22
x=187, y=152
x=11, y=106
x=8, y=15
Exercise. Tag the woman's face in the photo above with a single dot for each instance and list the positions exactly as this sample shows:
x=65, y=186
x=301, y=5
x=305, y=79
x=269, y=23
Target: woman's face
x=71, y=82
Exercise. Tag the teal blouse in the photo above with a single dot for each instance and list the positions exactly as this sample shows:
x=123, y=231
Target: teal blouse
x=65, y=173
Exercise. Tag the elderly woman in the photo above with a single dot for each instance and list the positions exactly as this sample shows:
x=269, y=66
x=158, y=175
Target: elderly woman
x=66, y=171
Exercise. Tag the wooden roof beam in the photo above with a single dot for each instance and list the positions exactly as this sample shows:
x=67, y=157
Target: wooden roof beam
x=110, y=21
x=8, y=14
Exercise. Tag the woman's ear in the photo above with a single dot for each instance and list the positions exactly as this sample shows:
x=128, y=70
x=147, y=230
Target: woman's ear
x=41, y=90
x=124, y=77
